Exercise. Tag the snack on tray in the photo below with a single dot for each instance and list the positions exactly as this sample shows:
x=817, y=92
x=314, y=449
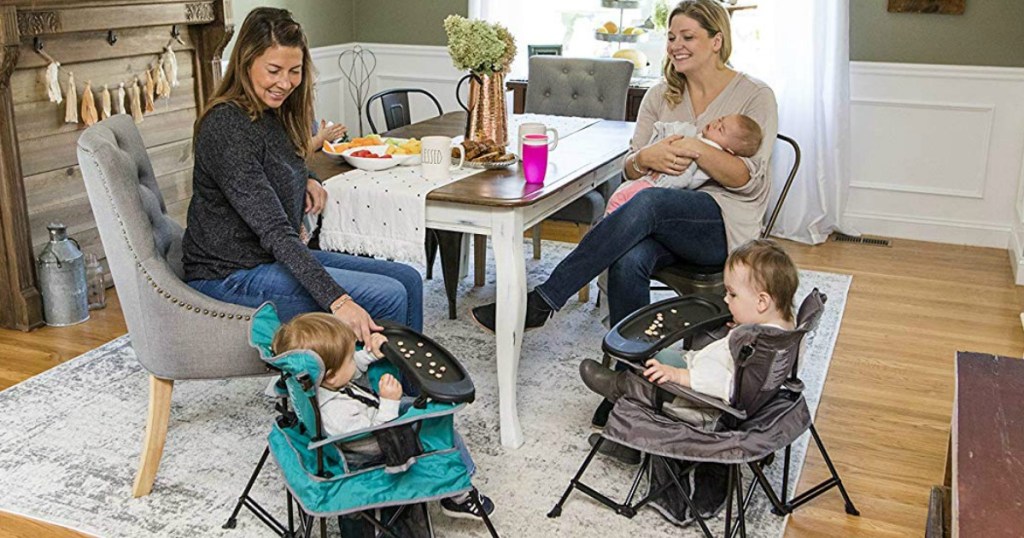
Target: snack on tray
x=485, y=151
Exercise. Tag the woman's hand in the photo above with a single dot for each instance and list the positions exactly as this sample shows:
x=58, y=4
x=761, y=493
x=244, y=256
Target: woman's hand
x=356, y=318
x=388, y=388
x=672, y=155
x=316, y=196
x=659, y=373
x=376, y=340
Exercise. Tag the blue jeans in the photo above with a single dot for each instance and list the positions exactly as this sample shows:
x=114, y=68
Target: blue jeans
x=656, y=228
x=386, y=290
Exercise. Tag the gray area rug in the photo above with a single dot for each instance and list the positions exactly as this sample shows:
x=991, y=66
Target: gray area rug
x=70, y=437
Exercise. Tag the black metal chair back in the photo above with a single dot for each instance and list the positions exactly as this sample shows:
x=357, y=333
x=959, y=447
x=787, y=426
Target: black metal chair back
x=684, y=278
x=395, y=104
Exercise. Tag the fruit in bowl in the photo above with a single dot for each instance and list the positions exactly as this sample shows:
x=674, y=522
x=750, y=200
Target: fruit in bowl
x=334, y=151
x=371, y=158
x=407, y=149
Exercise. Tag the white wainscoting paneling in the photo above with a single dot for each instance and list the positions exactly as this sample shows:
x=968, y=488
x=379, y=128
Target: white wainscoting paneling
x=397, y=66
x=937, y=152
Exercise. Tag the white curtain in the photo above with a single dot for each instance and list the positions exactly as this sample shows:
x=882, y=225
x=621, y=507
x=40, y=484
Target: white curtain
x=805, y=57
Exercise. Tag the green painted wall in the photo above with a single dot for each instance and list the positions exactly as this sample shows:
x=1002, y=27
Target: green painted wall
x=326, y=22
x=990, y=33
x=408, y=22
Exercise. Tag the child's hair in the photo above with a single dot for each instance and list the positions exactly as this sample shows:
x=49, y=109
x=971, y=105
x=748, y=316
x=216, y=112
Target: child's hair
x=320, y=332
x=750, y=137
x=771, y=269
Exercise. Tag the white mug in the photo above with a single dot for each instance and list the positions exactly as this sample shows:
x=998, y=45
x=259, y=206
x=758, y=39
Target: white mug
x=437, y=157
x=537, y=128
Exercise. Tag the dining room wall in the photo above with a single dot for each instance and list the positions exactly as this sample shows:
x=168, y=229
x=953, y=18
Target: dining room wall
x=326, y=22
x=987, y=34
x=407, y=22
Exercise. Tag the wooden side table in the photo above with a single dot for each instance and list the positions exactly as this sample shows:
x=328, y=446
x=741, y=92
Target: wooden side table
x=983, y=468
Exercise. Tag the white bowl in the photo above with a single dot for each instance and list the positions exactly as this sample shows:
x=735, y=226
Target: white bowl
x=372, y=163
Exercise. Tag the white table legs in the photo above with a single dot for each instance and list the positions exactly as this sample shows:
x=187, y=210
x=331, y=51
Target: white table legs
x=507, y=238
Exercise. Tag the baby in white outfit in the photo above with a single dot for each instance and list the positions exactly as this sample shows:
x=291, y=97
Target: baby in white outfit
x=735, y=133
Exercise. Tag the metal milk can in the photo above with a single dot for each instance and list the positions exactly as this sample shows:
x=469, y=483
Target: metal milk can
x=61, y=271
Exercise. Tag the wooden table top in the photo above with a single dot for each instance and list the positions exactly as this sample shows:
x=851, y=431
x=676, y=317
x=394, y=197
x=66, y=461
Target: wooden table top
x=576, y=154
x=989, y=445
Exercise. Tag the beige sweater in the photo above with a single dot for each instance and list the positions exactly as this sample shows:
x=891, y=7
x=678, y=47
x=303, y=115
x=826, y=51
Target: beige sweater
x=743, y=207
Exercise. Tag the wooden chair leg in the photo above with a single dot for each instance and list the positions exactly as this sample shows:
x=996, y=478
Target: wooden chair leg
x=479, y=260
x=536, y=240
x=156, y=433
x=584, y=295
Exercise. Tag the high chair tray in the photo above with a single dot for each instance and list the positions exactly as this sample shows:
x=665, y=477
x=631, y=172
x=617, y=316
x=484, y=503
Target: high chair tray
x=656, y=326
x=430, y=366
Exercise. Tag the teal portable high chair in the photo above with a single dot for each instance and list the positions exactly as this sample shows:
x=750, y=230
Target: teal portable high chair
x=422, y=463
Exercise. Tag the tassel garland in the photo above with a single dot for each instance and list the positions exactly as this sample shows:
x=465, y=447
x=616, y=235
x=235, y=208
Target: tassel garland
x=170, y=61
x=104, y=103
x=136, y=100
x=53, y=84
x=89, y=116
x=71, y=108
x=150, y=85
x=163, y=88
x=120, y=99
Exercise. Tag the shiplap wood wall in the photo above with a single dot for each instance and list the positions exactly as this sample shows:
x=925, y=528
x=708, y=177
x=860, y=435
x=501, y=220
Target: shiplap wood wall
x=54, y=189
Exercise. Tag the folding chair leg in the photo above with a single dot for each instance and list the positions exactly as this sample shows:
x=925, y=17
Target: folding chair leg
x=557, y=510
x=778, y=507
x=376, y=525
x=475, y=496
x=731, y=481
x=689, y=502
x=740, y=509
x=233, y=518
x=828, y=484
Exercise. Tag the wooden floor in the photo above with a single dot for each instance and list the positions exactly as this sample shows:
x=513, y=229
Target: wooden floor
x=884, y=415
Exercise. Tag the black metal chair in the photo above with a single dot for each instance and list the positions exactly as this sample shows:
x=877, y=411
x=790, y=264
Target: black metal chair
x=395, y=104
x=687, y=279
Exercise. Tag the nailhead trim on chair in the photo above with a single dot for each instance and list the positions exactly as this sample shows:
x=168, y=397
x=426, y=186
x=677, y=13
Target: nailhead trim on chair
x=159, y=291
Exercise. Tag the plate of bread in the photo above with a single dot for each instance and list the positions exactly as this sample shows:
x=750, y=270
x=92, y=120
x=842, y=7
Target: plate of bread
x=486, y=154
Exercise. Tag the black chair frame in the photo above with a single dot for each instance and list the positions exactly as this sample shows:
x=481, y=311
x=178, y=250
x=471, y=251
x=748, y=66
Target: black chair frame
x=684, y=278
x=395, y=104
x=781, y=503
x=382, y=527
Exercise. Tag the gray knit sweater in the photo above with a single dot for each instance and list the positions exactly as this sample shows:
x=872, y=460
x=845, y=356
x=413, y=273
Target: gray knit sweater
x=248, y=192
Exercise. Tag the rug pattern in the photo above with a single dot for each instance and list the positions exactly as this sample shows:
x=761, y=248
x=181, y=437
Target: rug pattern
x=69, y=438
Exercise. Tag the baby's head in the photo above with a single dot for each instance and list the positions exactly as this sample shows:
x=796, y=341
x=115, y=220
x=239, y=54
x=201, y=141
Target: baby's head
x=760, y=282
x=329, y=337
x=736, y=133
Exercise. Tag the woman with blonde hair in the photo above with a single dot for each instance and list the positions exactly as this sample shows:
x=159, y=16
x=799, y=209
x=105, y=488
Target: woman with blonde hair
x=251, y=188
x=660, y=227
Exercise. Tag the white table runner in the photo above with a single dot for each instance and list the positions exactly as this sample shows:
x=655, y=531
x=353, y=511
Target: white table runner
x=381, y=214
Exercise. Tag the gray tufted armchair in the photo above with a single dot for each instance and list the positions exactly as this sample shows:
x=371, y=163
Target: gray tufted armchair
x=587, y=87
x=177, y=333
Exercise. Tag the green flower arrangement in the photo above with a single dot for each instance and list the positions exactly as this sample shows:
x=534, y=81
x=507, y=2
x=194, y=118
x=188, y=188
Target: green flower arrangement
x=478, y=46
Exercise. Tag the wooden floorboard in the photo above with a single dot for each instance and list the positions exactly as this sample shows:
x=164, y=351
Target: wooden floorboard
x=884, y=414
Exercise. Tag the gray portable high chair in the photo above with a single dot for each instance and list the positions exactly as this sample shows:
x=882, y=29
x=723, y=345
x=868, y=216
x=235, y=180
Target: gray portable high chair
x=767, y=413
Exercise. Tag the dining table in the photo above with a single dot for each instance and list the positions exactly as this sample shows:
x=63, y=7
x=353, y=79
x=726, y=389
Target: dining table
x=499, y=203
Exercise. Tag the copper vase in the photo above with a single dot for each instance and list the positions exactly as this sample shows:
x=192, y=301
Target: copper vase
x=488, y=118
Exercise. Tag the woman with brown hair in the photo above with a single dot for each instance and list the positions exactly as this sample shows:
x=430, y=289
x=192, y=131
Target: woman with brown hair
x=251, y=188
x=660, y=227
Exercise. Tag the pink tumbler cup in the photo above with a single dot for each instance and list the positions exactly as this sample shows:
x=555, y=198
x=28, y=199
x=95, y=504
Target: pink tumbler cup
x=535, y=157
